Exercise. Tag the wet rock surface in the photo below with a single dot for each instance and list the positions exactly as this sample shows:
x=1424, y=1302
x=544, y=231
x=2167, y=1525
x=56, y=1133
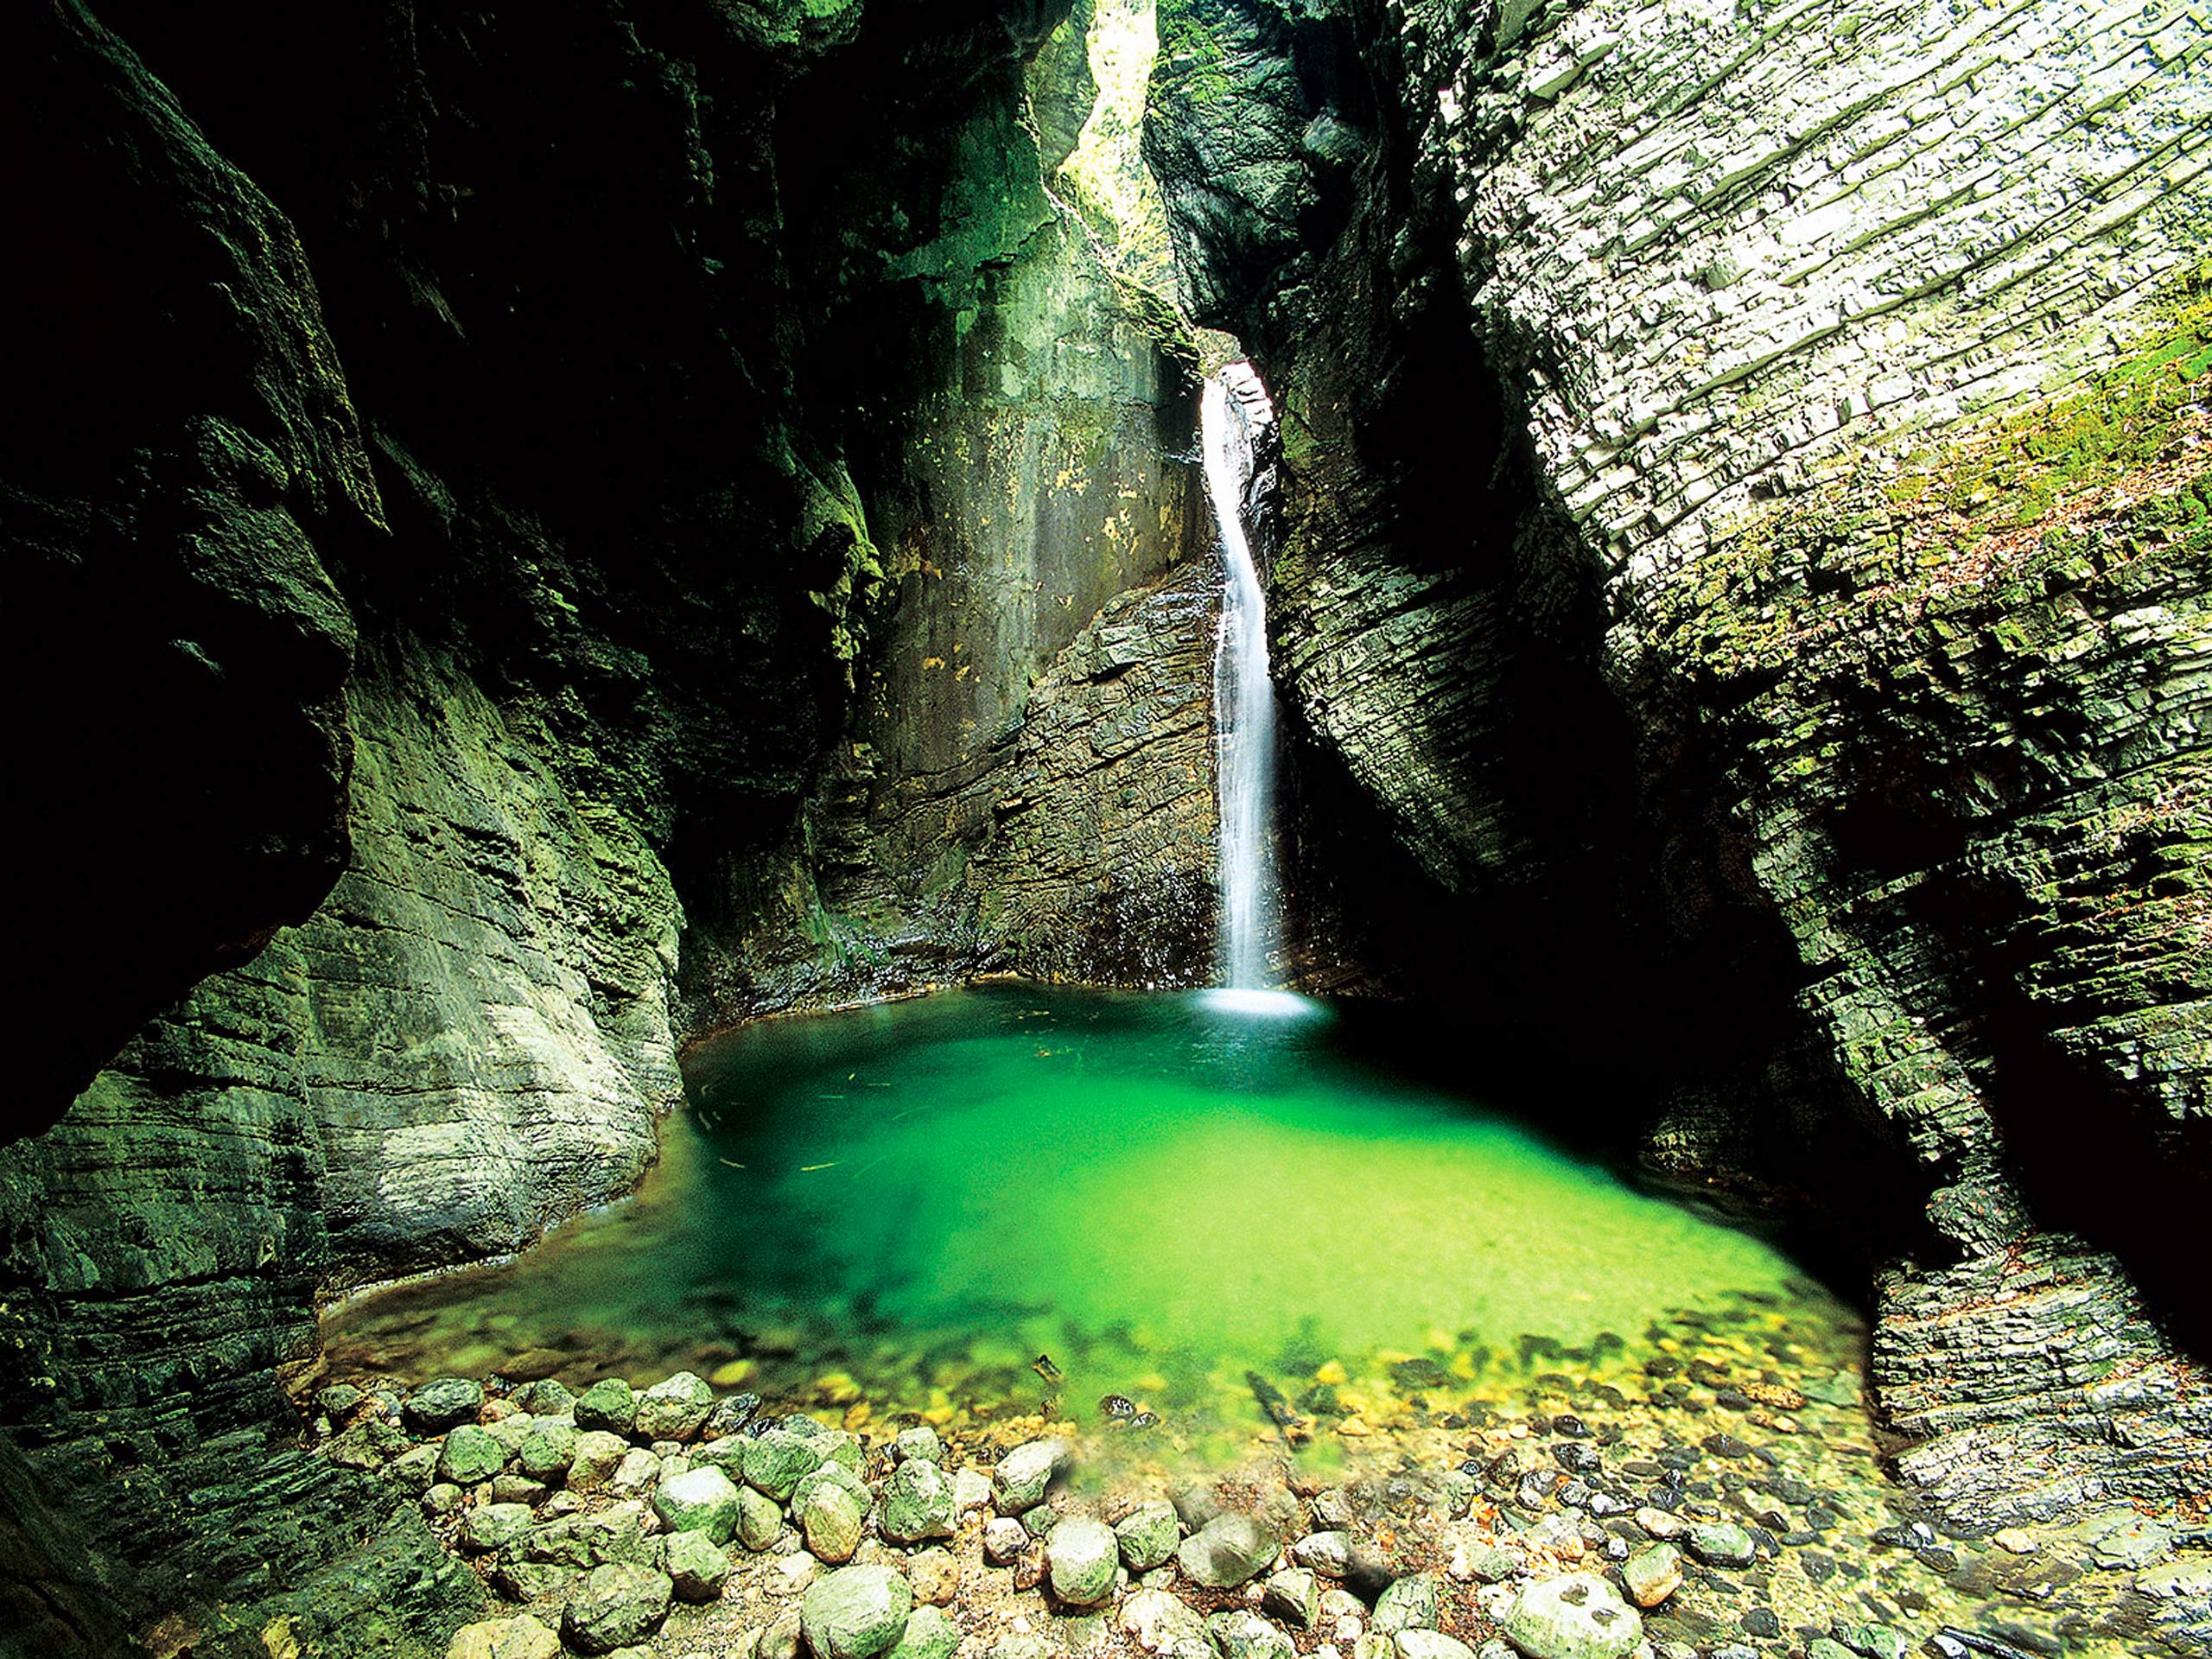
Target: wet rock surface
x=1777, y=1532
x=1576, y=1616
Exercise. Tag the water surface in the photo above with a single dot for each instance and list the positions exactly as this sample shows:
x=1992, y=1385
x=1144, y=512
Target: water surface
x=902, y=1208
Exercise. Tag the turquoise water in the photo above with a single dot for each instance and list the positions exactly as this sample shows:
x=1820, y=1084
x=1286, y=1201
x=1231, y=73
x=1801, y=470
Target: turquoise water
x=902, y=1209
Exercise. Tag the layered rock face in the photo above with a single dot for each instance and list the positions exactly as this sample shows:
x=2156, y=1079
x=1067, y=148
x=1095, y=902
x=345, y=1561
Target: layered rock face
x=1836, y=376
x=181, y=457
x=670, y=543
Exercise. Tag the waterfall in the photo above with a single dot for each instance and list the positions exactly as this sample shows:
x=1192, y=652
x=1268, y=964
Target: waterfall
x=1235, y=406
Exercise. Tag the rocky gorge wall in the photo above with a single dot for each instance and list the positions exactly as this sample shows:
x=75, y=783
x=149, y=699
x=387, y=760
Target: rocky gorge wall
x=1795, y=418
x=1027, y=784
x=518, y=474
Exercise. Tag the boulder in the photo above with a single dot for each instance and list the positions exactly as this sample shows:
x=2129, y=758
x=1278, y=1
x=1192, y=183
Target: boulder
x=597, y=1454
x=1722, y=1543
x=470, y=1455
x=587, y=1540
x=832, y=1520
x=855, y=1612
x=759, y=1519
x=1419, y=1643
x=930, y=1634
x=437, y=1405
x=775, y=1462
x=1147, y=1535
x=675, y=1410
x=1226, y=1551
x=917, y=1443
x=1324, y=1552
x=1293, y=1596
x=935, y=1575
x=491, y=1525
x=337, y=1401
x=1409, y=1604
x=1652, y=1575
x=1242, y=1634
x=1576, y=1617
x=1163, y=1624
x=1004, y=1539
x=1081, y=1557
x=917, y=1502
x=697, y=1566
x=368, y=1444
x=1026, y=1472
x=619, y=1605
x=414, y=1469
x=607, y=1406
x=638, y=1473
x=699, y=1500
x=548, y=1398
x=971, y=1489
x=546, y=1452
x=520, y=1637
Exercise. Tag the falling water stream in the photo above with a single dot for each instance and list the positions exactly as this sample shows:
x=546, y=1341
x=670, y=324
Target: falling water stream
x=1233, y=407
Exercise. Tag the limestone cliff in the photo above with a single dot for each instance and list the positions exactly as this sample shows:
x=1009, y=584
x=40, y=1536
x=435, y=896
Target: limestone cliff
x=657, y=519
x=1799, y=410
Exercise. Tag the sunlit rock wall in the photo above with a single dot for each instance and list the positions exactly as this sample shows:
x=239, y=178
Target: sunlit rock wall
x=1850, y=375
x=1025, y=784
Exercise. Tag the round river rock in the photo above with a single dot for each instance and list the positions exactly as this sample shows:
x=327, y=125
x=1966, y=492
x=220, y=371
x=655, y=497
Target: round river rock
x=1080, y=1558
x=1226, y=1551
x=1148, y=1534
x=619, y=1605
x=855, y=1612
x=698, y=1500
x=674, y=1410
x=442, y=1403
x=1023, y=1475
x=607, y=1406
x=917, y=1502
x=1576, y=1617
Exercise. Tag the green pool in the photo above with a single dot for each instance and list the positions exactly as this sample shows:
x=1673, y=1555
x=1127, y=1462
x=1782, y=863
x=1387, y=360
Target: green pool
x=1220, y=1208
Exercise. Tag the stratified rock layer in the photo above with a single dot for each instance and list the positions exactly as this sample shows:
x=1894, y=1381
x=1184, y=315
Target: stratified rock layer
x=181, y=460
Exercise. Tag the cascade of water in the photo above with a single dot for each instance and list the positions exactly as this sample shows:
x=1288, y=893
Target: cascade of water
x=1244, y=697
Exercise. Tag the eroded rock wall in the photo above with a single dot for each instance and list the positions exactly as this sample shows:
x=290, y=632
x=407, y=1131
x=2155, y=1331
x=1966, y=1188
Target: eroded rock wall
x=182, y=461
x=1851, y=376
x=469, y=1039
x=691, y=414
